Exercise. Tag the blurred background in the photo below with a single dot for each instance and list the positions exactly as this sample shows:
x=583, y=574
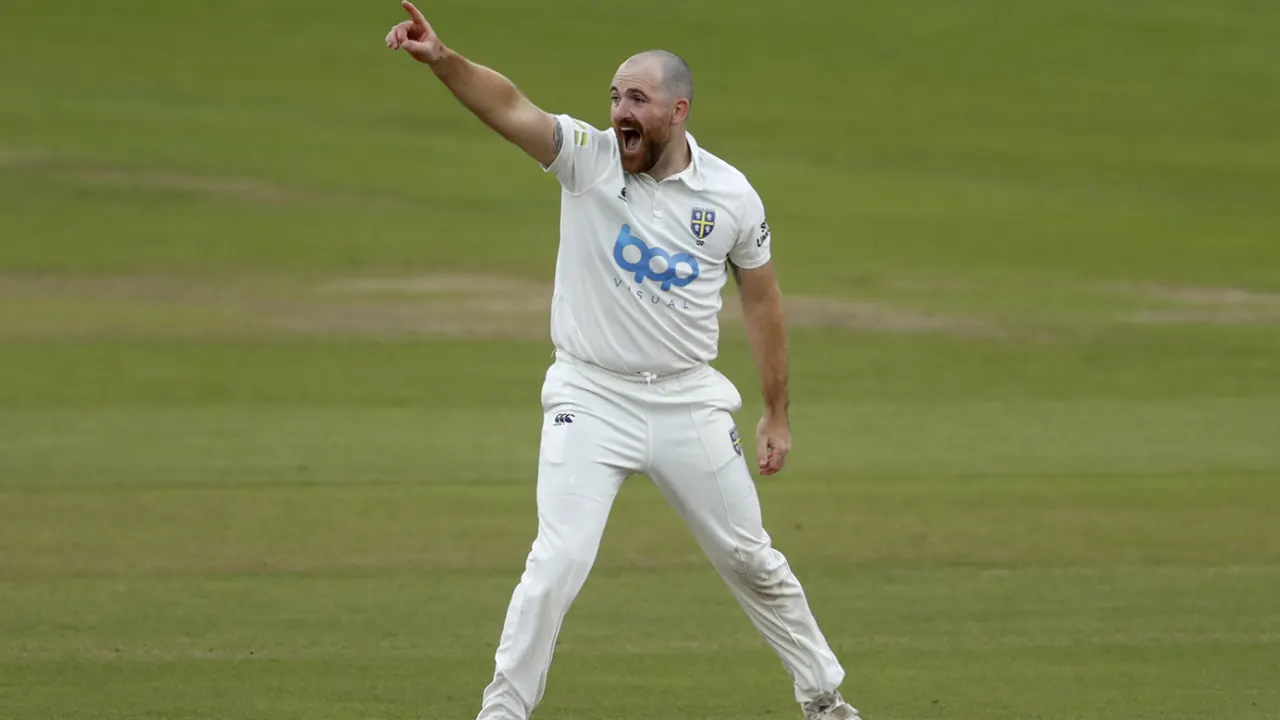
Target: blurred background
x=273, y=327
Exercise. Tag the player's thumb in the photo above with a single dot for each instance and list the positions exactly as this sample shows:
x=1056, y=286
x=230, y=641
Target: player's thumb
x=417, y=48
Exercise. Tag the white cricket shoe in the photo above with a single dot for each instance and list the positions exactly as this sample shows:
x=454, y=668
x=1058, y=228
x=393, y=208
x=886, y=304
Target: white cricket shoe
x=830, y=706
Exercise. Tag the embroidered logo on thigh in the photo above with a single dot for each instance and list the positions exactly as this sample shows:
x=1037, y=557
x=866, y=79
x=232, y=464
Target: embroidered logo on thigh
x=737, y=442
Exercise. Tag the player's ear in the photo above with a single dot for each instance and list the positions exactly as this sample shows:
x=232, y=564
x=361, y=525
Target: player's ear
x=680, y=112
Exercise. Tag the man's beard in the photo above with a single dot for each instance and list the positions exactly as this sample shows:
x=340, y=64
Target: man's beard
x=651, y=149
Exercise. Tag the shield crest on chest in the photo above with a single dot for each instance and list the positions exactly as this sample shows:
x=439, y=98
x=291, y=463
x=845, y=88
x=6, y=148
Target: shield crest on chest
x=702, y=221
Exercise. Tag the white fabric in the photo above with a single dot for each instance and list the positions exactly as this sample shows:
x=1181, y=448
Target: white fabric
x=634, y=289
x=598, y=429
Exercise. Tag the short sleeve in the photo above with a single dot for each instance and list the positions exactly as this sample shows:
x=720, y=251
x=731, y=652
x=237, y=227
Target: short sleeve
x=586, y=154
x=751, y=246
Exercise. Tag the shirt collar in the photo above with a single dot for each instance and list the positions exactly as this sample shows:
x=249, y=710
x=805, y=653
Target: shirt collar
x=692, y=174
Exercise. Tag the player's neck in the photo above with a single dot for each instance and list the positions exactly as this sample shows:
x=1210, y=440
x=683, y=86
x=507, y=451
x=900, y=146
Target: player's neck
x=673, y=161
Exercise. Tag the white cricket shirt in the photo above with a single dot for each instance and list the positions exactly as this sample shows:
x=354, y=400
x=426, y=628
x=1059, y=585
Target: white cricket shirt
x=641, y=263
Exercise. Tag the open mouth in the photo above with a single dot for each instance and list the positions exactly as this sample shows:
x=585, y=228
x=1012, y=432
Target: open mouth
x=631, y=139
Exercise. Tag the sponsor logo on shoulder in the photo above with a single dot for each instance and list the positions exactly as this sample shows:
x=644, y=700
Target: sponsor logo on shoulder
x=764, y=234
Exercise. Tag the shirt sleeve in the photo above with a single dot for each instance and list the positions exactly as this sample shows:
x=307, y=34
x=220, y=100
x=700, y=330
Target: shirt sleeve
x=586, y=154
x=751, y=247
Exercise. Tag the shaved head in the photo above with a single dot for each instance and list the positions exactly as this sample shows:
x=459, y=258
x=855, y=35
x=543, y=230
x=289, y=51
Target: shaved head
x=676, y=78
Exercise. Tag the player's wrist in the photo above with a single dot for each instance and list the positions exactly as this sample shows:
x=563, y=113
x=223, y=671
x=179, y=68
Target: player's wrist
x=440, y=60
x=778, y=410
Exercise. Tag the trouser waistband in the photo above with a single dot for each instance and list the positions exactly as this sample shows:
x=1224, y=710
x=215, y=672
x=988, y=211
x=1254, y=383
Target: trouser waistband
x=645, y=377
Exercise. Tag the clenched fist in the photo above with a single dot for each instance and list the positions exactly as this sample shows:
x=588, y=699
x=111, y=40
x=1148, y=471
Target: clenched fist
x=773, y=442
x=416, y=37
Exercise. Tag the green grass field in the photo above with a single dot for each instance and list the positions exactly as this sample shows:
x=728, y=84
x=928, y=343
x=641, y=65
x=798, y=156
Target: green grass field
x=273, y=325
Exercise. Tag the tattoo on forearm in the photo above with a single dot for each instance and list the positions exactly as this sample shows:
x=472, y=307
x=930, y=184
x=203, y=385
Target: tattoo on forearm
x=557, y=137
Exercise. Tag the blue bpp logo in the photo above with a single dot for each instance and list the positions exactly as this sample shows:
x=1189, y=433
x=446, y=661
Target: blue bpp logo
x=654, y=263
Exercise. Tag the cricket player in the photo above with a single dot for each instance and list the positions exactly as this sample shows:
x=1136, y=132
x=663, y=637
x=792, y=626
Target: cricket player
x=651, y=225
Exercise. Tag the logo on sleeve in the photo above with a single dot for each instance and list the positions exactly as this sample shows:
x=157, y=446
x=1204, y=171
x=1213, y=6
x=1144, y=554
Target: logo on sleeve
x=702, y=222
x=764, y=234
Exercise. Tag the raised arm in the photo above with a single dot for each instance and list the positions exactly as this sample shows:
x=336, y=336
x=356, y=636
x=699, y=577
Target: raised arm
x=486, y=93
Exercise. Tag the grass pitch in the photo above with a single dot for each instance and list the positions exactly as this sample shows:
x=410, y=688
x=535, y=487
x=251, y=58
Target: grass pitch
x=272, y=314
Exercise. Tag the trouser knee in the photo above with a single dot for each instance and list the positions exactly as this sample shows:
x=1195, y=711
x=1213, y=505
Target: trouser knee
x=558, y=564
x=760, y=569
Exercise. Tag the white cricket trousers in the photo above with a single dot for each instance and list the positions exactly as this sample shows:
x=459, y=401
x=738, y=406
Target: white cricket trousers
x=600, y=427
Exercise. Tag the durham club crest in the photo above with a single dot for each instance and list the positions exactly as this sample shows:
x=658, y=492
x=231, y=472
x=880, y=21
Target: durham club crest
x=702, y=222
x=737, y=441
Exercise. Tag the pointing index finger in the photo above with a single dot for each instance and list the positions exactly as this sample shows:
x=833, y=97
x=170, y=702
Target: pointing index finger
x=418, y=20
